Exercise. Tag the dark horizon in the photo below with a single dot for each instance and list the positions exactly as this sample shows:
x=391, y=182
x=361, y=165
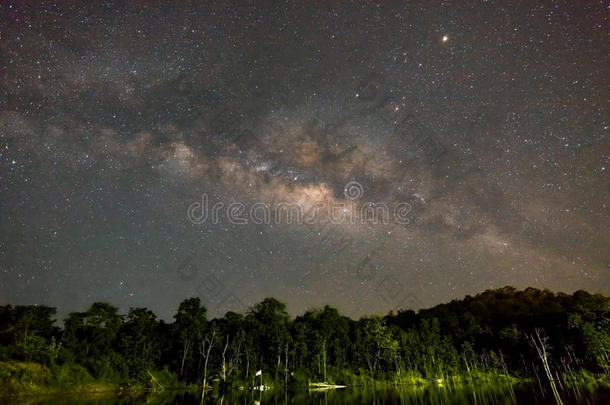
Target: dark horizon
x=59, y=318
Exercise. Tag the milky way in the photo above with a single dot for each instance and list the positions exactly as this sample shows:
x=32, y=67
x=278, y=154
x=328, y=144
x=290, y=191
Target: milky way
x=487, y=123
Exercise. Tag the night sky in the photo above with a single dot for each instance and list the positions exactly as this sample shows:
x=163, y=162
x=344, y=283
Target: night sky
x=484, y=125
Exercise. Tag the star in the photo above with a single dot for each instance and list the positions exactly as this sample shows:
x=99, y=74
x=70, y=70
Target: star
x=97, y=171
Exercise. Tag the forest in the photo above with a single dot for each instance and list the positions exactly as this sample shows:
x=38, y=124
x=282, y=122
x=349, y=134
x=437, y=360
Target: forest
x=501, y=333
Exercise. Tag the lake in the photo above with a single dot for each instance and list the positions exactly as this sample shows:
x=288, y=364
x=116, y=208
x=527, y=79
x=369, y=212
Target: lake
x=523, y=394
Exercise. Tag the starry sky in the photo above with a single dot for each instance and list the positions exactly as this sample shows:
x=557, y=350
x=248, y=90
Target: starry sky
x=486, y=122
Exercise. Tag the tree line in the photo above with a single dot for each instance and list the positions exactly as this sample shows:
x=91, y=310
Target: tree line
x=502, y=330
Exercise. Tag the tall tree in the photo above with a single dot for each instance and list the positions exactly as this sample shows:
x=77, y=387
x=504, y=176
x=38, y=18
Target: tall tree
x=189, y=328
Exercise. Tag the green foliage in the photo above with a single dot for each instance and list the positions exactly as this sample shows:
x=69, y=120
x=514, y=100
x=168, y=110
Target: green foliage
x=300, y=377
x=28, y=334
x=188, y=331
x=379, y=348
x=35, y=348
x=139, y=342
x=92, y=334
x=478, y=339
x=70, y=374
x=111, y=367
x=269, y=322
x=24, y=372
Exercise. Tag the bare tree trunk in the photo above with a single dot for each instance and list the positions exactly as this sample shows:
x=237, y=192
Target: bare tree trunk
x=224, y=368
x=205, y=366
x=541, y=345
x=236, y=359
x=279, y=360
x=185, y=349
x=286, y=374
x=247, y=363
x=324, y=358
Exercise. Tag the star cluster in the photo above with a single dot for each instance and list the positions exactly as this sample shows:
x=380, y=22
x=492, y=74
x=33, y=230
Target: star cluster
x=489, y=120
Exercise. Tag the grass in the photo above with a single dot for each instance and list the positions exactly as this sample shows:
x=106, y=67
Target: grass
x=23, y=378
x=26, y=378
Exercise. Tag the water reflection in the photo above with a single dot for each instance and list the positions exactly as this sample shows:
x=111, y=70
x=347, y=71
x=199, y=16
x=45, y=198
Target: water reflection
x=502, y=395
